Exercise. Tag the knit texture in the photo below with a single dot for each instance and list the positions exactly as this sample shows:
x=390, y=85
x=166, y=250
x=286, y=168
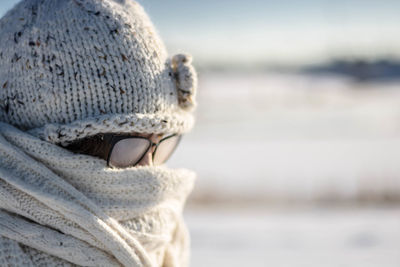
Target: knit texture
x=74, y=68
x=58, y=208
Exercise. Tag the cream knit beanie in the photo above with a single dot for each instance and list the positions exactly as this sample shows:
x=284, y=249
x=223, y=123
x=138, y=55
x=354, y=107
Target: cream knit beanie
x=74, y=68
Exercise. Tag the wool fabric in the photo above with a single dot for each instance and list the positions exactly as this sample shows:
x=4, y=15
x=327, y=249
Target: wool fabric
x=74, y=68
x=58, y=208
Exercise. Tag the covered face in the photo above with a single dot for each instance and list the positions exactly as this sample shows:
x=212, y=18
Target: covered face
x=128, y=150
x=71, y=70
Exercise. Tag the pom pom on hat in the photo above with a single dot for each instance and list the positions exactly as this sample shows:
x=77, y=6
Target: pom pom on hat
x=186, y=81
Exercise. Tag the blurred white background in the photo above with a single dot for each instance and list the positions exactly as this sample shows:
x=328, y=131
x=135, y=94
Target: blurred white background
x=294, y=170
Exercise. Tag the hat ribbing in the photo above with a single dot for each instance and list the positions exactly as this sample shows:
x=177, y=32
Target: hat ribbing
x=74, y=68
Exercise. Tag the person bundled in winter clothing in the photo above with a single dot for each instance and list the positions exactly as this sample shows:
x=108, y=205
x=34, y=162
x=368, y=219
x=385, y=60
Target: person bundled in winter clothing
x=91, y=107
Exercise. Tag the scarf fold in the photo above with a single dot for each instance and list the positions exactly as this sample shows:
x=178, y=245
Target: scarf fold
x=74, y=208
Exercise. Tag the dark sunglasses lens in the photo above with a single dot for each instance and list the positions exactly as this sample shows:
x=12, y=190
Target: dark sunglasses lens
x=128, y=152
x=165, y=149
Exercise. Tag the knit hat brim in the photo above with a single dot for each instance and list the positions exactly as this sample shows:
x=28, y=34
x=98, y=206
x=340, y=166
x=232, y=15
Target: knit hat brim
x=176, y=122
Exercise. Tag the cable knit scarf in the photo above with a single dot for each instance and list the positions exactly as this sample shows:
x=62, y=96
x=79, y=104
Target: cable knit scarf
x=60, y=208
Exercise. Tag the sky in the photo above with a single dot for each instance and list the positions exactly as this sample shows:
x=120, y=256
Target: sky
x=275, y=32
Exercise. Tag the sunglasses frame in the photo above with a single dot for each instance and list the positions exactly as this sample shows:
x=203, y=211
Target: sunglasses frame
x=115, y=138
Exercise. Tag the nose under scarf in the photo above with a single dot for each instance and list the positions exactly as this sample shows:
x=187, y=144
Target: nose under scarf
x=61, y=208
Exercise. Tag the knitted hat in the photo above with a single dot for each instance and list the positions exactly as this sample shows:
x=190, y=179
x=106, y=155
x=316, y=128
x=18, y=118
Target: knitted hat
x=74, y=68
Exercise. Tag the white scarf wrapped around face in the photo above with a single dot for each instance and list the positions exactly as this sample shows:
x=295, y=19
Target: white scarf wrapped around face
x=62, y=208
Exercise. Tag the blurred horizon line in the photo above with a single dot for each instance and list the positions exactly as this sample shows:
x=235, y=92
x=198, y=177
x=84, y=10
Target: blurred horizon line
x=361, y=69
x=214, y=197
x=277, y=64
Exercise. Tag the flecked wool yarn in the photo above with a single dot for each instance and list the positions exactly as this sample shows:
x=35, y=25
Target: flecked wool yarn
x=74, y=68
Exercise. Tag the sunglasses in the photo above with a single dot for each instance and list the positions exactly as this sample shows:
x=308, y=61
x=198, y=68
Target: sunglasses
x=127, y=150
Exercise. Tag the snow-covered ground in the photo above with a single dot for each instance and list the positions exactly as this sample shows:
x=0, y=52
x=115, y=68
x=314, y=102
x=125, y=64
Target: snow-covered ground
x=295, y=238
x=263, y=140
x=292, y=136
